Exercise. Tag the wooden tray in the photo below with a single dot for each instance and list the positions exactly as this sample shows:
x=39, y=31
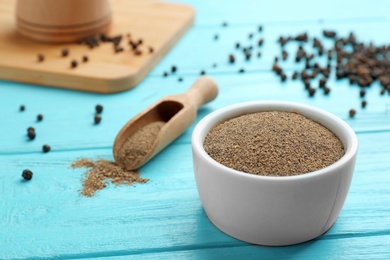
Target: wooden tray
x=159, y=25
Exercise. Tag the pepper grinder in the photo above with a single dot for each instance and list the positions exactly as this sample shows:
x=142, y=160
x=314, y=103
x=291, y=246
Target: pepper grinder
x=60, y=21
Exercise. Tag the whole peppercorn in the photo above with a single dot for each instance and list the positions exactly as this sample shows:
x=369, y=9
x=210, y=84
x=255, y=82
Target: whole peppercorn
x=352, y=112
x=326, y=90
x=31, y=135
x=27, y=174
x=312, y=91
x=64, y=52
x=202, y=72
x=39, y=117
x=85, y=58
x=174, y=69
x=46, y=148
x=362, y=93
x=41, y=57
x=97, y=119
x=165, y=74
x=22, y=108
x=73, y=64
x=99, y=109
x=231, y=58
x=364, y=104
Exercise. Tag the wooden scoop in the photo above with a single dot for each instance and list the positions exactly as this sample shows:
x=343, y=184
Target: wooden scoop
x=177, y=111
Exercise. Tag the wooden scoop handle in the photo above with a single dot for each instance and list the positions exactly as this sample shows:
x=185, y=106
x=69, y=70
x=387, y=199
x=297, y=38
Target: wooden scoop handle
x=202, y=91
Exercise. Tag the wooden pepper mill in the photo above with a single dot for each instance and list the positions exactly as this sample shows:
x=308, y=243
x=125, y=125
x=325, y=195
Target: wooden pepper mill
x=58, y=21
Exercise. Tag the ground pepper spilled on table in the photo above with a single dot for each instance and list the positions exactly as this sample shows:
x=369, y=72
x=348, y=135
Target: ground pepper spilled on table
x=99, y=173
x=273, y=144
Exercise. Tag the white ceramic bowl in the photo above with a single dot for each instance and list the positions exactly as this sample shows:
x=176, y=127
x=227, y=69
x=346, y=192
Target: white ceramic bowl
x=266, y=210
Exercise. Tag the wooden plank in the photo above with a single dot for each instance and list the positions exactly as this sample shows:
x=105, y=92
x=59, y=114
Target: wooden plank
x=68, y=121
x=355, y=248
x=159, y=25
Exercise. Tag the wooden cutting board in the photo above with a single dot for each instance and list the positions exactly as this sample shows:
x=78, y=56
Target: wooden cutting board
x=159, y=25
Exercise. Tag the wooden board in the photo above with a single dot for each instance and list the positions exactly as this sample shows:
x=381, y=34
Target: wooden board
x=159, y=25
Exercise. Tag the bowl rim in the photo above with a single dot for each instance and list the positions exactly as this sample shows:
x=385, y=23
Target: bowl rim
x=197, y=140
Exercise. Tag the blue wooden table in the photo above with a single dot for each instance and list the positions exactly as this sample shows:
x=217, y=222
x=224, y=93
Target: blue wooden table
x=163, y=219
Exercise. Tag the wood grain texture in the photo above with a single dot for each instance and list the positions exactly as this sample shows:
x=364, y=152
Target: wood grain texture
x=164, y=219
x=159, y=25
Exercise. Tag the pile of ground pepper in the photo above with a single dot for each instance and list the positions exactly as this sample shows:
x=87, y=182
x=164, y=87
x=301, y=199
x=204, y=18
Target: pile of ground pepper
x=99, y=173
x=273, y=144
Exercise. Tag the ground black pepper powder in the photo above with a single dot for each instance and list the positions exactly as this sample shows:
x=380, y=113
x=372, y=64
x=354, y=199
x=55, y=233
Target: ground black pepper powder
x=273, y=144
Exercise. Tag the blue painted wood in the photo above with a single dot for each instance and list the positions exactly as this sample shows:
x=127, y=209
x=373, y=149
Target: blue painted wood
x=47, y=218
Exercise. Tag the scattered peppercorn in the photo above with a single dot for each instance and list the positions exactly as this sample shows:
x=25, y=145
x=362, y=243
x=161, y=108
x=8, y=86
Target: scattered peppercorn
x=214, y=65
x=362, y=93
x=284, y=55
x=224, y=24
x=352, y=112
x=22, y=108
x=151, y=50
x=237, y=45
x=259, y=54
x=118, y=48
x=165, y=74
x=73, y=64
x=231, y=58
x=326, y=90
x=180, y=79
x=39, y=117
x=138, y=52
x=364, y=104
x=41, y=57
x=85, y=58
x=260, y=28
x=31, y=129
x=241, y=71
x=250, y=36
x=99, y=108
x=97, y=119
x=248, y=56
x=174, y=69
x=329, y=34
x=46, y=148
x=64, y=52
x=312, y=91
x=27, y=174
x=216, y=37
x=260, y=42
x=202, y=72
x=31, y=135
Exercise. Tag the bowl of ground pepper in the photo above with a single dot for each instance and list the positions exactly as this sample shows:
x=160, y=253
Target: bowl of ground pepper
x=273, y=173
